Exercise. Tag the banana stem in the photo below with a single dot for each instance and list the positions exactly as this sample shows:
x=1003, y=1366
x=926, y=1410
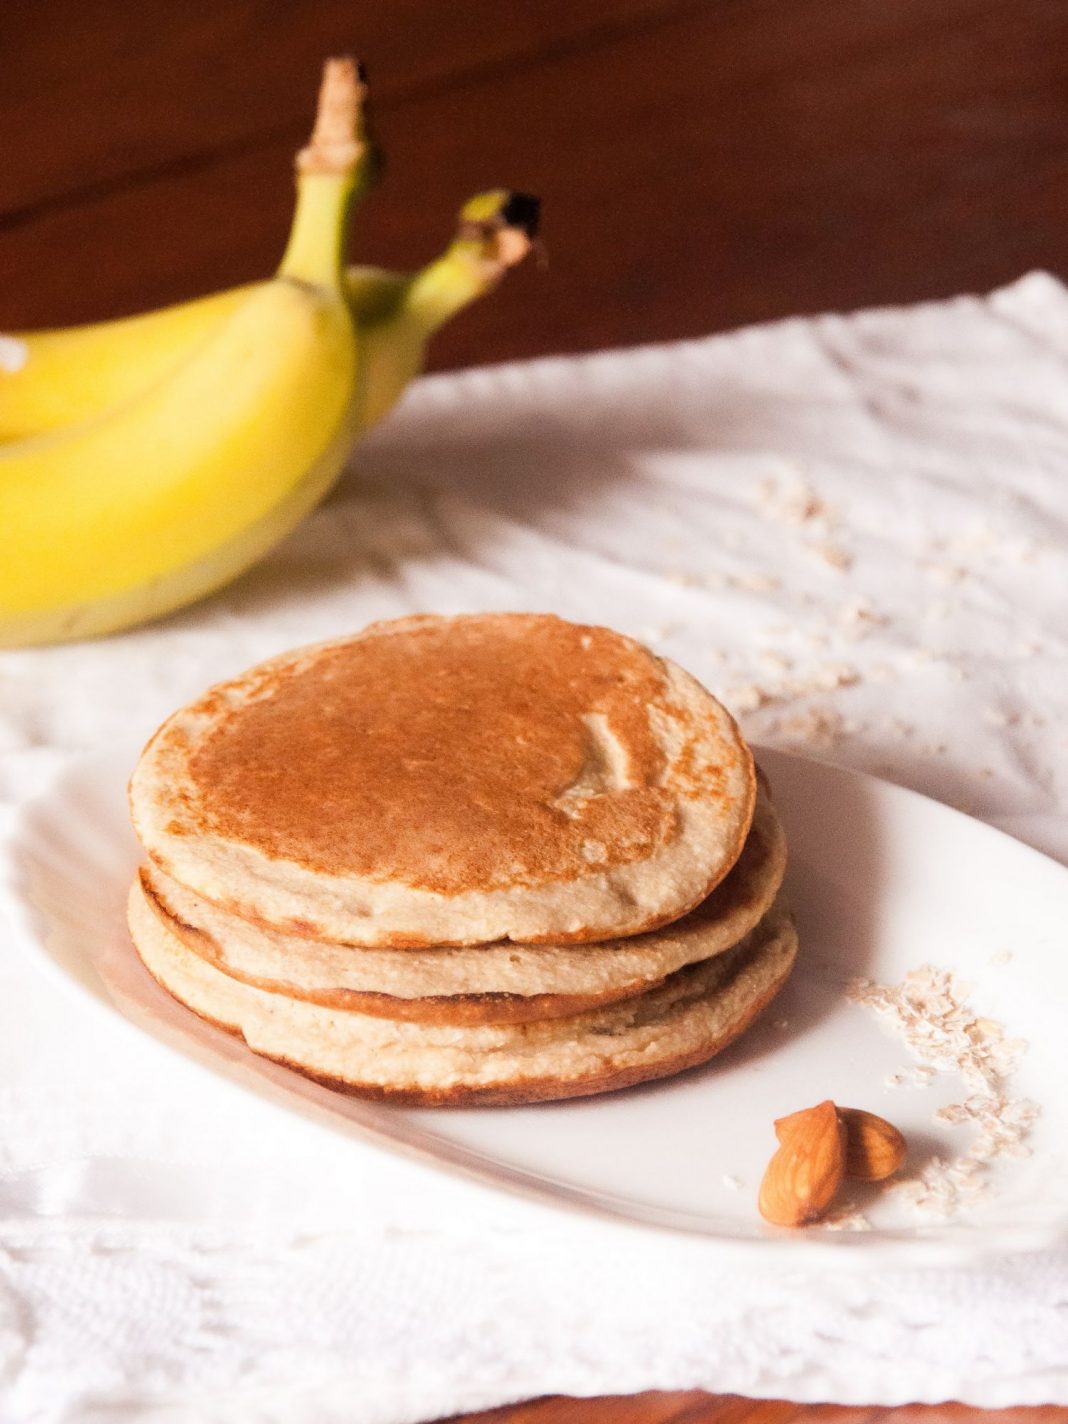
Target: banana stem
x=331, y=169
x=496, y=231
x=397, y=314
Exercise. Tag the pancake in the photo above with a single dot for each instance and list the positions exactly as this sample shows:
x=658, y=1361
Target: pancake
x=485, y=984
x=451, y=781
x=683, y=1022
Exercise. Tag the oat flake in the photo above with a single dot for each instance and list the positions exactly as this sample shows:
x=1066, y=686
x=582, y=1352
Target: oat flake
x=929, y=1011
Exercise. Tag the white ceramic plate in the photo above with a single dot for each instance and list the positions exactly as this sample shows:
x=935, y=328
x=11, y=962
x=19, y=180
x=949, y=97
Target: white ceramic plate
x=882, y=880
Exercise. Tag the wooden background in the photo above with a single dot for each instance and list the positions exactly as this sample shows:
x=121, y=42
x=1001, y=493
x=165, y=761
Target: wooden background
x=696, y=1408
x=703, y=163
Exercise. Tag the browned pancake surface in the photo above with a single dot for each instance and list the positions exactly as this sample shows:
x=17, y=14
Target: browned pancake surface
x=442, y=754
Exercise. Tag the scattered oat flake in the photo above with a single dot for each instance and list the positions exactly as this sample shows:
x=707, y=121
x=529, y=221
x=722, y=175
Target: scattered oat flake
x=798, y=504
x=756, y=583
x=846, y=1218
x=809, y=725
x=929, y=1011
x=858, y=616
x=946, y=573
x=748, y=698
x=826, y=679
x=832, y=554
x=732, y=1182
x=814, y=727
x=952, y=1112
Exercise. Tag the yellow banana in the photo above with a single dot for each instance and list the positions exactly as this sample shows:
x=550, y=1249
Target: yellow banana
x=164, y=497
x=58, y=378
x=61, y=377
x=398, y=316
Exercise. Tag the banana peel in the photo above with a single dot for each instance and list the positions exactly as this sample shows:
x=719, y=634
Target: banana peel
x=147, y=461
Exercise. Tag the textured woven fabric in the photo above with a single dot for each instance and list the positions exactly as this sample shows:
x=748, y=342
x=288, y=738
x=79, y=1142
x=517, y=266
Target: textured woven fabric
x=855, y=530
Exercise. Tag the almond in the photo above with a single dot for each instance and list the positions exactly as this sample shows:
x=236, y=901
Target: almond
x=874, y=1147
x=785, y=1126
x=806, y=1172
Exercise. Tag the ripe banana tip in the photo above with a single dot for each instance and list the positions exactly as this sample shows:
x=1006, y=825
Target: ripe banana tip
x=522, y=210
x=500, y=227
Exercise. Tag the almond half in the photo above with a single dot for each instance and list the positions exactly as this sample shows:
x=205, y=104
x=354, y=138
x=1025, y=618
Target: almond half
x=874, y=1147
x=806, y=1172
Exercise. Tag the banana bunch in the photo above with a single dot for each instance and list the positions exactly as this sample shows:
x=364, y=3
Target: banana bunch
x=146, y=461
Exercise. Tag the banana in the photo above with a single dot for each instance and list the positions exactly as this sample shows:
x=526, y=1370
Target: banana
x=166, y=496
x=398, y=316
x=146, y=461
x=62, y=377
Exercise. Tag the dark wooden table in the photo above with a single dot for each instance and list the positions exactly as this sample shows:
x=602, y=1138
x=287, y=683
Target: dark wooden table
x=697, y=1408
x=703, y=163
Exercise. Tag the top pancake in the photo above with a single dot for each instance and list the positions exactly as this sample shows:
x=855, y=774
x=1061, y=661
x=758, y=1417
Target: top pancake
x=449, y=781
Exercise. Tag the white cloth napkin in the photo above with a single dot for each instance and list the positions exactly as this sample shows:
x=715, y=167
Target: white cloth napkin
x=856, y=529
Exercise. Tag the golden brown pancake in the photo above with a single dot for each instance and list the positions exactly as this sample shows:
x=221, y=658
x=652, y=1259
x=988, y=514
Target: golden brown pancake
x=451, y=781
x=685, y=1021
x=488, y=983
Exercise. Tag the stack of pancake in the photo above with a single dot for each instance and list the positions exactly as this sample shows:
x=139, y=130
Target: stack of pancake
x=496, y=858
